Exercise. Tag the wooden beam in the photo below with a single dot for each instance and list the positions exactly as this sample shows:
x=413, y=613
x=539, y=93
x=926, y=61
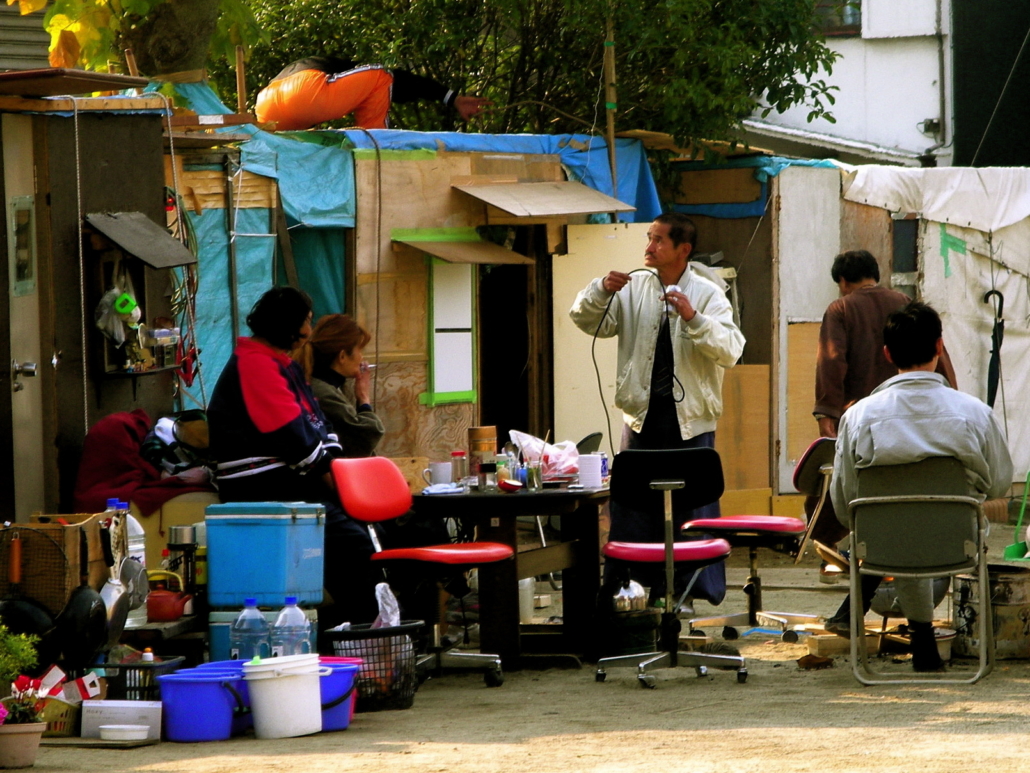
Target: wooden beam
x=85, y=104
x=228, y=119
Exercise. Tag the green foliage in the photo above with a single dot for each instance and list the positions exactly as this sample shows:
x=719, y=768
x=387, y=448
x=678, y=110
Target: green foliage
x=17, y=654
x=692, y=68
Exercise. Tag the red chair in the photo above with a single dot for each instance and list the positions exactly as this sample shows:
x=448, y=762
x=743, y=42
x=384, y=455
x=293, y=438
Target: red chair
x=373, y=489
x=784, y=535
x=647, y=480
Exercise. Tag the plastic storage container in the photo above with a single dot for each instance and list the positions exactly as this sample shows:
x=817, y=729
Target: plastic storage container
x=265, y=550
x=137, y=681
x=220, y=623
x=291, y=631
x=249, y=634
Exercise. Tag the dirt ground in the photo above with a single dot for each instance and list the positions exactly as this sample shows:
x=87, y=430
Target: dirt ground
x=562, y=720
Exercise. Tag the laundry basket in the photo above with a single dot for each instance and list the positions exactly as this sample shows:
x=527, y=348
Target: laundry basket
x=387, y=679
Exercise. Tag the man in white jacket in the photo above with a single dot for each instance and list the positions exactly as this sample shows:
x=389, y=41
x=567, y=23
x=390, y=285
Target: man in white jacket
x=670, y=366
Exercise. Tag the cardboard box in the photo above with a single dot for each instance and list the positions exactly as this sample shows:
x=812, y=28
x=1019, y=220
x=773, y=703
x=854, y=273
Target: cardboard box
x=97, y=713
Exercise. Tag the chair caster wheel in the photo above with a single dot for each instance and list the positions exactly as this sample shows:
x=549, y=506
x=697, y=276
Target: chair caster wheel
x=696, y=632
x=600, y=676
x=729, y=633
x=647, y=681
x=742, y=676
x=790, y=637
x=702, y=671
x=493, y=677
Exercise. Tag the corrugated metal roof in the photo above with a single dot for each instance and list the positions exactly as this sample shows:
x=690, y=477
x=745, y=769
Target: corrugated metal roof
x=23, y=41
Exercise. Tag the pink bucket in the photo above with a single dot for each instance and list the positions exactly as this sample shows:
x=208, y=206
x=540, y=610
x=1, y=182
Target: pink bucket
x=331, y=660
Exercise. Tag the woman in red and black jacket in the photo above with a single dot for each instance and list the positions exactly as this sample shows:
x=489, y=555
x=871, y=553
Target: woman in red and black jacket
x=272, y=443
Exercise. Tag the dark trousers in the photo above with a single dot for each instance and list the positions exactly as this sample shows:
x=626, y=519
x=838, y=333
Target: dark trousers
x=661, y=431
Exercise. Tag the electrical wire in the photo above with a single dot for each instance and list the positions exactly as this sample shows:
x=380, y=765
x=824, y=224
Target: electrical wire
x=597, y=369
x=1001, y=96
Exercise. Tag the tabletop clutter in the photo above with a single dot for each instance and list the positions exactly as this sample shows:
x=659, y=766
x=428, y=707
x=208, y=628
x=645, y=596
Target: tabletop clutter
x=524, y=462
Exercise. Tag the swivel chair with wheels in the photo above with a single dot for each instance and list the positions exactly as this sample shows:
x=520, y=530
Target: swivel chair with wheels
x=918, y=521
x=373, y=489
x=651, y=481
x=779, y=533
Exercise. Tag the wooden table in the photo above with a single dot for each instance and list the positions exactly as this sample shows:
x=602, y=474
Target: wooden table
x=576, y=555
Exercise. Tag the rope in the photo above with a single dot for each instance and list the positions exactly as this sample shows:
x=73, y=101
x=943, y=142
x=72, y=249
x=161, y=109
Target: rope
x=379, y=254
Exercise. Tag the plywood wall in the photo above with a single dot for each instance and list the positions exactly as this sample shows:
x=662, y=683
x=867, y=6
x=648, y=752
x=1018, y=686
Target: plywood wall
x=867, y=228
x=413, y=190
x=743, y=438
x=802, y=347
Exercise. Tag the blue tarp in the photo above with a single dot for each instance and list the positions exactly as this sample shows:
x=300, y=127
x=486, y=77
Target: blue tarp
x=764, y=166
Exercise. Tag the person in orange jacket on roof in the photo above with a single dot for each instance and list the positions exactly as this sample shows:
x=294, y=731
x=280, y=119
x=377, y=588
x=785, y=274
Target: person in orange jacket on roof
x=323, y=88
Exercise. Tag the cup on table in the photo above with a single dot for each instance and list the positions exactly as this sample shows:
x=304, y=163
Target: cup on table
x=534, y=476
x=590, y=470
x=437, y=472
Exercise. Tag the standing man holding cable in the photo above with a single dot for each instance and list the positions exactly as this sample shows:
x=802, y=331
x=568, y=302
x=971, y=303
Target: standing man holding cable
x=676, y=336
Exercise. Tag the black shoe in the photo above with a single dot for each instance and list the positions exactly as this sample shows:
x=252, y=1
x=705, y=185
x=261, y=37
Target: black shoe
x=925, y=656
x=840, y=627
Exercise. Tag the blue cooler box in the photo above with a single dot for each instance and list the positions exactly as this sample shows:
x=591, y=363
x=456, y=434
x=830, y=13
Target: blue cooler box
x=268, y=550
x=219, y=624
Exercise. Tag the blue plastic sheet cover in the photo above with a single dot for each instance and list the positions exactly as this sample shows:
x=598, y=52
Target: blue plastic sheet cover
x=316, y=176
x=319, y=256
x=765, y=167
x=253, y=276
x=584, y=157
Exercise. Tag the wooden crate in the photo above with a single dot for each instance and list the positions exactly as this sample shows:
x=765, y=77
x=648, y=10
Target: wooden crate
x=50, y=557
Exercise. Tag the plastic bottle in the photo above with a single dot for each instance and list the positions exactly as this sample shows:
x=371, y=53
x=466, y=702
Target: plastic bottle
x=249, y=634
x=291, y=632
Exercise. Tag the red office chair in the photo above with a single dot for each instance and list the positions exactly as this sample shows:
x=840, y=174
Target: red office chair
x=373, y=489
x=647, y=480
x=777, y=533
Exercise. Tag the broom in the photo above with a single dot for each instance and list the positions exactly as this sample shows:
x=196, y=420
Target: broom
x=1017, y=550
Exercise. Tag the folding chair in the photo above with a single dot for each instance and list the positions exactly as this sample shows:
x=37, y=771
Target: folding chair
x=918, y=521
x=646, y=480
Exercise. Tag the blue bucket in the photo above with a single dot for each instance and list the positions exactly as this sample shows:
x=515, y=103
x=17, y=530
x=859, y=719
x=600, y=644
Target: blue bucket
x=336, y=690
x=241, y=720
x=199, y=705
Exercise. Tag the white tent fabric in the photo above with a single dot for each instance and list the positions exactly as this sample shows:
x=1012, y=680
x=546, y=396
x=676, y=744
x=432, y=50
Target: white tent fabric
x=957, y=271
x=984, y=199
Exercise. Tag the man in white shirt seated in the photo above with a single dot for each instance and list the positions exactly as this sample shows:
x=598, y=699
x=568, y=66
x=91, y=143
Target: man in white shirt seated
x=910, y=417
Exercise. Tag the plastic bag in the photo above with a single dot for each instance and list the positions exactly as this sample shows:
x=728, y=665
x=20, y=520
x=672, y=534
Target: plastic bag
x=389, y=609
x=558, y=458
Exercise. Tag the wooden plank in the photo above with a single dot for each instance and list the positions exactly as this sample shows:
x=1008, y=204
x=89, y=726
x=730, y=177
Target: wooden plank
x=863, y=227
x=553, y=558
x=802, y=347
x=755, y=501
x=718, y=186
x=59, y=81
x=742, y=438
x=470, y=252
x=789, y=505
x=545, y=199
x=219, y=119
x=83, y=104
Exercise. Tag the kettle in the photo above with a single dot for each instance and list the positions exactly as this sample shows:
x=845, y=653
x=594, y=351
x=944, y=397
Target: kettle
x=630, y=598
x=166, y=606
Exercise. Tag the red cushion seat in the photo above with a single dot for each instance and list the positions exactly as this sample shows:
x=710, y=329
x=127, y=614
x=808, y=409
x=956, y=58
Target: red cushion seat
x=705, y=551
x=770, y=525
x=462, y=553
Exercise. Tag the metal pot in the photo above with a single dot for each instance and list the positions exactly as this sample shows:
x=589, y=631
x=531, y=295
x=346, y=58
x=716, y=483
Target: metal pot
x=631, y=597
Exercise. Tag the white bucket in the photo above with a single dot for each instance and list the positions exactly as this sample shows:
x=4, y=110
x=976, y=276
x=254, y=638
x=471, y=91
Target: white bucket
x=284, y=695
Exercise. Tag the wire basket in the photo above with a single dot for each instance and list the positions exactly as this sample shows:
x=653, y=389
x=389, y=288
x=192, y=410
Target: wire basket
x=387, y=679
x=137, y=681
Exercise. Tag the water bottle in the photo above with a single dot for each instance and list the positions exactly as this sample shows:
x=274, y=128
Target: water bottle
x=291, y=633
x=249, y=634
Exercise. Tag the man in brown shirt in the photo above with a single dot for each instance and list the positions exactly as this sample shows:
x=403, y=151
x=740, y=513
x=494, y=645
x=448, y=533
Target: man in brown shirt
x=851, y=363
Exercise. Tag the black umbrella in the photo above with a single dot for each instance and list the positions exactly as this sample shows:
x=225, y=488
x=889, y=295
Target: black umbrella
x=997, y=336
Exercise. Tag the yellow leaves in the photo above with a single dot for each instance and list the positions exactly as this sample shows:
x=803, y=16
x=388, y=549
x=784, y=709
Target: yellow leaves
x=26, y=7
x=65, y=50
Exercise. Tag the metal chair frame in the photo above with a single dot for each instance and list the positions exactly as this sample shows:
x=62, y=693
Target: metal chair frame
x=952, y=529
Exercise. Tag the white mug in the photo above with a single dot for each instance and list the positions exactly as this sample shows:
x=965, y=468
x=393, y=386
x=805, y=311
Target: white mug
x=437, y=472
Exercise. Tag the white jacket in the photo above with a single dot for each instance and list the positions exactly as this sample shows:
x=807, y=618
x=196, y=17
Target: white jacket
x=701, y=348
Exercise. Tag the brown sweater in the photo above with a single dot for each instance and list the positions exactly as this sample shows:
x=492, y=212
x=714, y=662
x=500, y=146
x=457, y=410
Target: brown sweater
x=850, y=363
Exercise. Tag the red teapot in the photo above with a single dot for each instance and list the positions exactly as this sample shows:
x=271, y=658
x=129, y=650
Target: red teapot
x=163, y=605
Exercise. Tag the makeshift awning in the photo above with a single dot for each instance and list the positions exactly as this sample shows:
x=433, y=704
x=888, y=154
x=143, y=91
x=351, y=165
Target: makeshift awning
x=140, y=236
x=456, y=245
x=545, y=199
x=57, y=81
